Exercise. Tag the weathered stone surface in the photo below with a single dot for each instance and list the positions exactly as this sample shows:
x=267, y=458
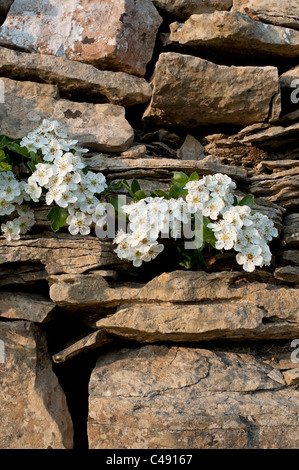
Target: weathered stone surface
x=280, y=12
x=235, y=32
x=291, y=231
x=190, y=92
x=185, y=8
x=288, y=274
x=208, y=165
x=91, y=290
x=249, y=318
x=21, y=273
x=291, y=257
x=136, y=151
x=75, y=79
x=157, y=397
x=60, y=253
x=20, y=306
x=292, y=376
x=191, y=149
x=91, y=341
x=118, y=35
x=273, y=136
x=99, y=126
x=185, y=306
x=34, y=412
x=290, y=79
x=281, y=186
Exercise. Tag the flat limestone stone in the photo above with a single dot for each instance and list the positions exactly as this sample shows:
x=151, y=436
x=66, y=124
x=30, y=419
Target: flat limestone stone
x=235, y=32
x=280, y=12
x=111, y=34
x=75, y=78
x=159, y=397
x=99, y=126
x=191, y=92
x=34, y=412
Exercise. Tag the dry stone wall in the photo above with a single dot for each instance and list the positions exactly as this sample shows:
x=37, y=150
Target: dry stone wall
x=159, y=357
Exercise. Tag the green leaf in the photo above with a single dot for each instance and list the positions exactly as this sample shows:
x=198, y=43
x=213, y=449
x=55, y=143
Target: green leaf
x=4, y=166
x=58, y=216
x=236, y=201
x=247, y=201
x=16, y=148
x=85, y=170
x=114, y=186
x=31, y=166
x=194, y=176
x=180, y=179
x=4, y=140
x=139, y=195
x=128, y=188
x=177, y=191
x=160, y=193
x=135, y=186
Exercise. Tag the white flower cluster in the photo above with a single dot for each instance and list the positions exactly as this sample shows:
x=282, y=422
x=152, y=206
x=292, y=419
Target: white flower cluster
x=234, y=227
x=12, y=196
x=148, y=218
x=247, y=233
x=62, y=177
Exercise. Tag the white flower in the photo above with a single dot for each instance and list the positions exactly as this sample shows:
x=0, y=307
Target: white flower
x=95, y=182
x=72, y=180
x=152, y=251
x=232, y=217
x=64, y=164
x=213, y=207
x=11, y=230
x=42, y=174
x=6, y=208
x=55, y=193
x=10, y=190
x=196, y=200
x=66, y=198
x=33, y=190
x=250, y=258
x=225, y=237
x=25, y=223
x=79, y=223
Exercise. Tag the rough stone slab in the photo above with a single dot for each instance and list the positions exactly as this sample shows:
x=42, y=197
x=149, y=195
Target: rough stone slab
x=291, y=376
x=91, y=341
x=21, y=306
x=33, y=412
x=21, y=273
x=280, y=12
x=190, y=92
x=118, y=35
x=281, y=187
x=235, y=32
x=99, y=126
x=242, y=319
x=185, y=8
x=60, y=253
x=75, y=78
x=291, y=257
x=288, y=274
x=191, y=149
x=155, y=397
x=273, y=134
x=208, y=165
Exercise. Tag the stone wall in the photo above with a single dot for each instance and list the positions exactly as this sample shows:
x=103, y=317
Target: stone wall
x=98, y=353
